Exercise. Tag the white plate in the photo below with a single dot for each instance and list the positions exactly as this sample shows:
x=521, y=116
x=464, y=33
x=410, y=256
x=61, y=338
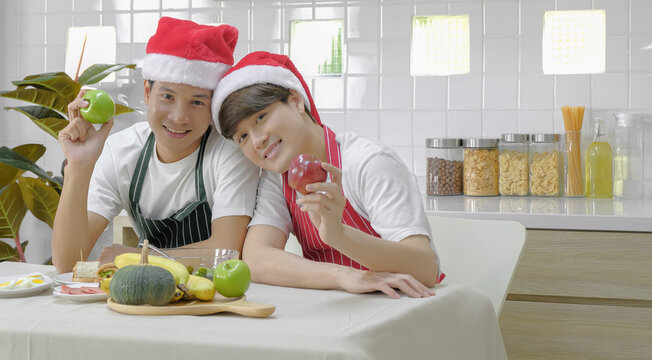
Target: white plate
x=66, y=279
x=34, y=290
x=80, y=298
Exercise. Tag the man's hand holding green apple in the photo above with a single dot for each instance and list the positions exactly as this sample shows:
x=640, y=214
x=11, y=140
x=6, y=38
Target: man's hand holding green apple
x=100, y=107
x=81, y=143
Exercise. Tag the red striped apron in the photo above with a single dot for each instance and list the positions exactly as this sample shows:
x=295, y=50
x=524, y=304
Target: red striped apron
x=306, y=232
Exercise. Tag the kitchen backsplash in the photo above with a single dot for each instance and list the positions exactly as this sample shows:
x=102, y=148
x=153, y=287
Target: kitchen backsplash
x=377, y=97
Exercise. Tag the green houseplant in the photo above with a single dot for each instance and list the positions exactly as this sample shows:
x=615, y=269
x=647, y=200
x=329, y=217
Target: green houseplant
x=50, y=93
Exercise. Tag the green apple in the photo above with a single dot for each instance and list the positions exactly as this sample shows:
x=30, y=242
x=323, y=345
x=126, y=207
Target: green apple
x=232, y=278
x=100, y=107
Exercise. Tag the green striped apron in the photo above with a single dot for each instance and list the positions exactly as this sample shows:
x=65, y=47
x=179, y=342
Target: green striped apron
x=188, y=225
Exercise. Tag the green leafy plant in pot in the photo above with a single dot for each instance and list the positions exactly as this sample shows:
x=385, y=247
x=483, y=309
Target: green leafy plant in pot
x=50, y=93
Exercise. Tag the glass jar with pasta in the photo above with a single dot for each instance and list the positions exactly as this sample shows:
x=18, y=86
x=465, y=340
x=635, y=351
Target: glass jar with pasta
x=481, y=167
x=513, y=161
x=545, y=165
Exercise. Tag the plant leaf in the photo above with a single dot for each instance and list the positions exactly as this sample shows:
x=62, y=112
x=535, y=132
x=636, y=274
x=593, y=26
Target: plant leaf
x=58, y=82
x=49, y=99
x=95, y=73
x=31, y=152
x=8, y=252
x=12, y=211
x=16, y=160
x=39, y=198
x=121, y=109
x=49, y=120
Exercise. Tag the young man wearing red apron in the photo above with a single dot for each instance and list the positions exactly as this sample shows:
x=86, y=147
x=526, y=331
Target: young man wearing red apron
x=364, y=230
x=180, y=182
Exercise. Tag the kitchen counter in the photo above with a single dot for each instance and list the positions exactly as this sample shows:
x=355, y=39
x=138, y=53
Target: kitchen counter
x=582, y=285
x=562, y=213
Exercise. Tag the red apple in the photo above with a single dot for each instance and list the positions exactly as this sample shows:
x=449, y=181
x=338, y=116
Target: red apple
x=305, y=169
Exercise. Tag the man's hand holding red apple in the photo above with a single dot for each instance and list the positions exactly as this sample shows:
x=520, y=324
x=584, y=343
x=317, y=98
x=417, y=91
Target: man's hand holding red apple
x=325, y=204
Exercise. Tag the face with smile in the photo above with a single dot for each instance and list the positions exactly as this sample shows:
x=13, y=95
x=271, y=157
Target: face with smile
x=272, y=137
x=179, y=115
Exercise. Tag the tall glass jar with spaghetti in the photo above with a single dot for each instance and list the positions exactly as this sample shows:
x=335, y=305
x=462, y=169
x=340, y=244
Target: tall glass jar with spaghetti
x=574, y=181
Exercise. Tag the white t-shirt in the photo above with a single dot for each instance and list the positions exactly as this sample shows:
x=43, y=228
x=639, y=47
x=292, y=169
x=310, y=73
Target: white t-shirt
x=230, y=180
x=375, y=181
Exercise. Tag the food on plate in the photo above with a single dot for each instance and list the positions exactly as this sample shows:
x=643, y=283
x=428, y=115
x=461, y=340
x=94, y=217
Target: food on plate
x=200, y=288
x=105, y=284
x=100, y=107
x=9, y=285
x=22, y=283
x=142, y=283
x=85, y=271
x=178, y=270
x=232, y=278
x=35, y=281
x=106, y=271
x=305, y=169
x=80, y=290
x=178, y=294
x=205, y=272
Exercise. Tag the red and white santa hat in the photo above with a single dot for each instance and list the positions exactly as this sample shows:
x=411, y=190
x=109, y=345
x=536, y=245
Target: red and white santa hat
x=262, y=67
x=184, y=52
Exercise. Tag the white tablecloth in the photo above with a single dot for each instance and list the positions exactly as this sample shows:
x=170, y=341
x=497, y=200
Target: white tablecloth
x=457, y=323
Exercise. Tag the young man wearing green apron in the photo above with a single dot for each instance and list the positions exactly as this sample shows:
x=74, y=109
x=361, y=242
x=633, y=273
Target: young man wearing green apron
x=180, y=182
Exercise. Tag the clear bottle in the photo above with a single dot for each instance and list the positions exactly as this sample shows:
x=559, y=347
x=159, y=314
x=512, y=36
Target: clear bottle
x=546, y=170
x=444, y=166
x=628, y=156
x=599, y=165
x=513, y=161
x=481, y=167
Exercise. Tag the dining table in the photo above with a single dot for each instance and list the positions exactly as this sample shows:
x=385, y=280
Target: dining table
x=457, y=323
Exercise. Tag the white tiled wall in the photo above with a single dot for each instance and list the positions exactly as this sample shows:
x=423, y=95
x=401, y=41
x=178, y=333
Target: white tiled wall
x=506, y=90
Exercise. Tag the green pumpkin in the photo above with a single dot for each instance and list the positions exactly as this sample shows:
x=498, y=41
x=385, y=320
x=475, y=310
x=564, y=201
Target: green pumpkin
x=142, y=284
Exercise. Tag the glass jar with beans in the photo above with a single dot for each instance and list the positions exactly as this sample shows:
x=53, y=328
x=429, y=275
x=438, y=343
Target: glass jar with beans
x=481, y=167
x=444, y=166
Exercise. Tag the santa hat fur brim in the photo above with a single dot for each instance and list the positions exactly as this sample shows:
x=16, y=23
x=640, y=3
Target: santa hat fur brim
x=173, y=69
x=255, y=74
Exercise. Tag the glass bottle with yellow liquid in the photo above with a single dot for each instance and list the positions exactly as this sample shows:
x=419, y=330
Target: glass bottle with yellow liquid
x=598, y=165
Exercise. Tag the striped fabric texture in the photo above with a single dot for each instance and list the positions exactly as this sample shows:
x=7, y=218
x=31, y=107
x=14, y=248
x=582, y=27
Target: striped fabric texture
x=190, y=224
x=306, y=232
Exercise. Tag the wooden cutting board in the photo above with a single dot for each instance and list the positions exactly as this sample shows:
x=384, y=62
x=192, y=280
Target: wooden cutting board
x=238, y=305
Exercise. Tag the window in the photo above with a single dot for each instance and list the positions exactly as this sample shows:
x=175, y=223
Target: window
x=574, y=42
x=440, y=45
x=316, y=47
x=99, y=49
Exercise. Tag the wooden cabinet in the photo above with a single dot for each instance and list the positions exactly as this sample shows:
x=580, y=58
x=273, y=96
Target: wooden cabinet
x=581, y=295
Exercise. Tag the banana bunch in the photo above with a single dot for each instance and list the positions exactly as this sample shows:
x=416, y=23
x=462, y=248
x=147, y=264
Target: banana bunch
x=178, y=270
x=197, y=288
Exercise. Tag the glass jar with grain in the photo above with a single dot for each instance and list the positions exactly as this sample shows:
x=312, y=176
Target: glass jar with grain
x=545, y=165
x=444, y=166
x=481, y=167
x=513, y=161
